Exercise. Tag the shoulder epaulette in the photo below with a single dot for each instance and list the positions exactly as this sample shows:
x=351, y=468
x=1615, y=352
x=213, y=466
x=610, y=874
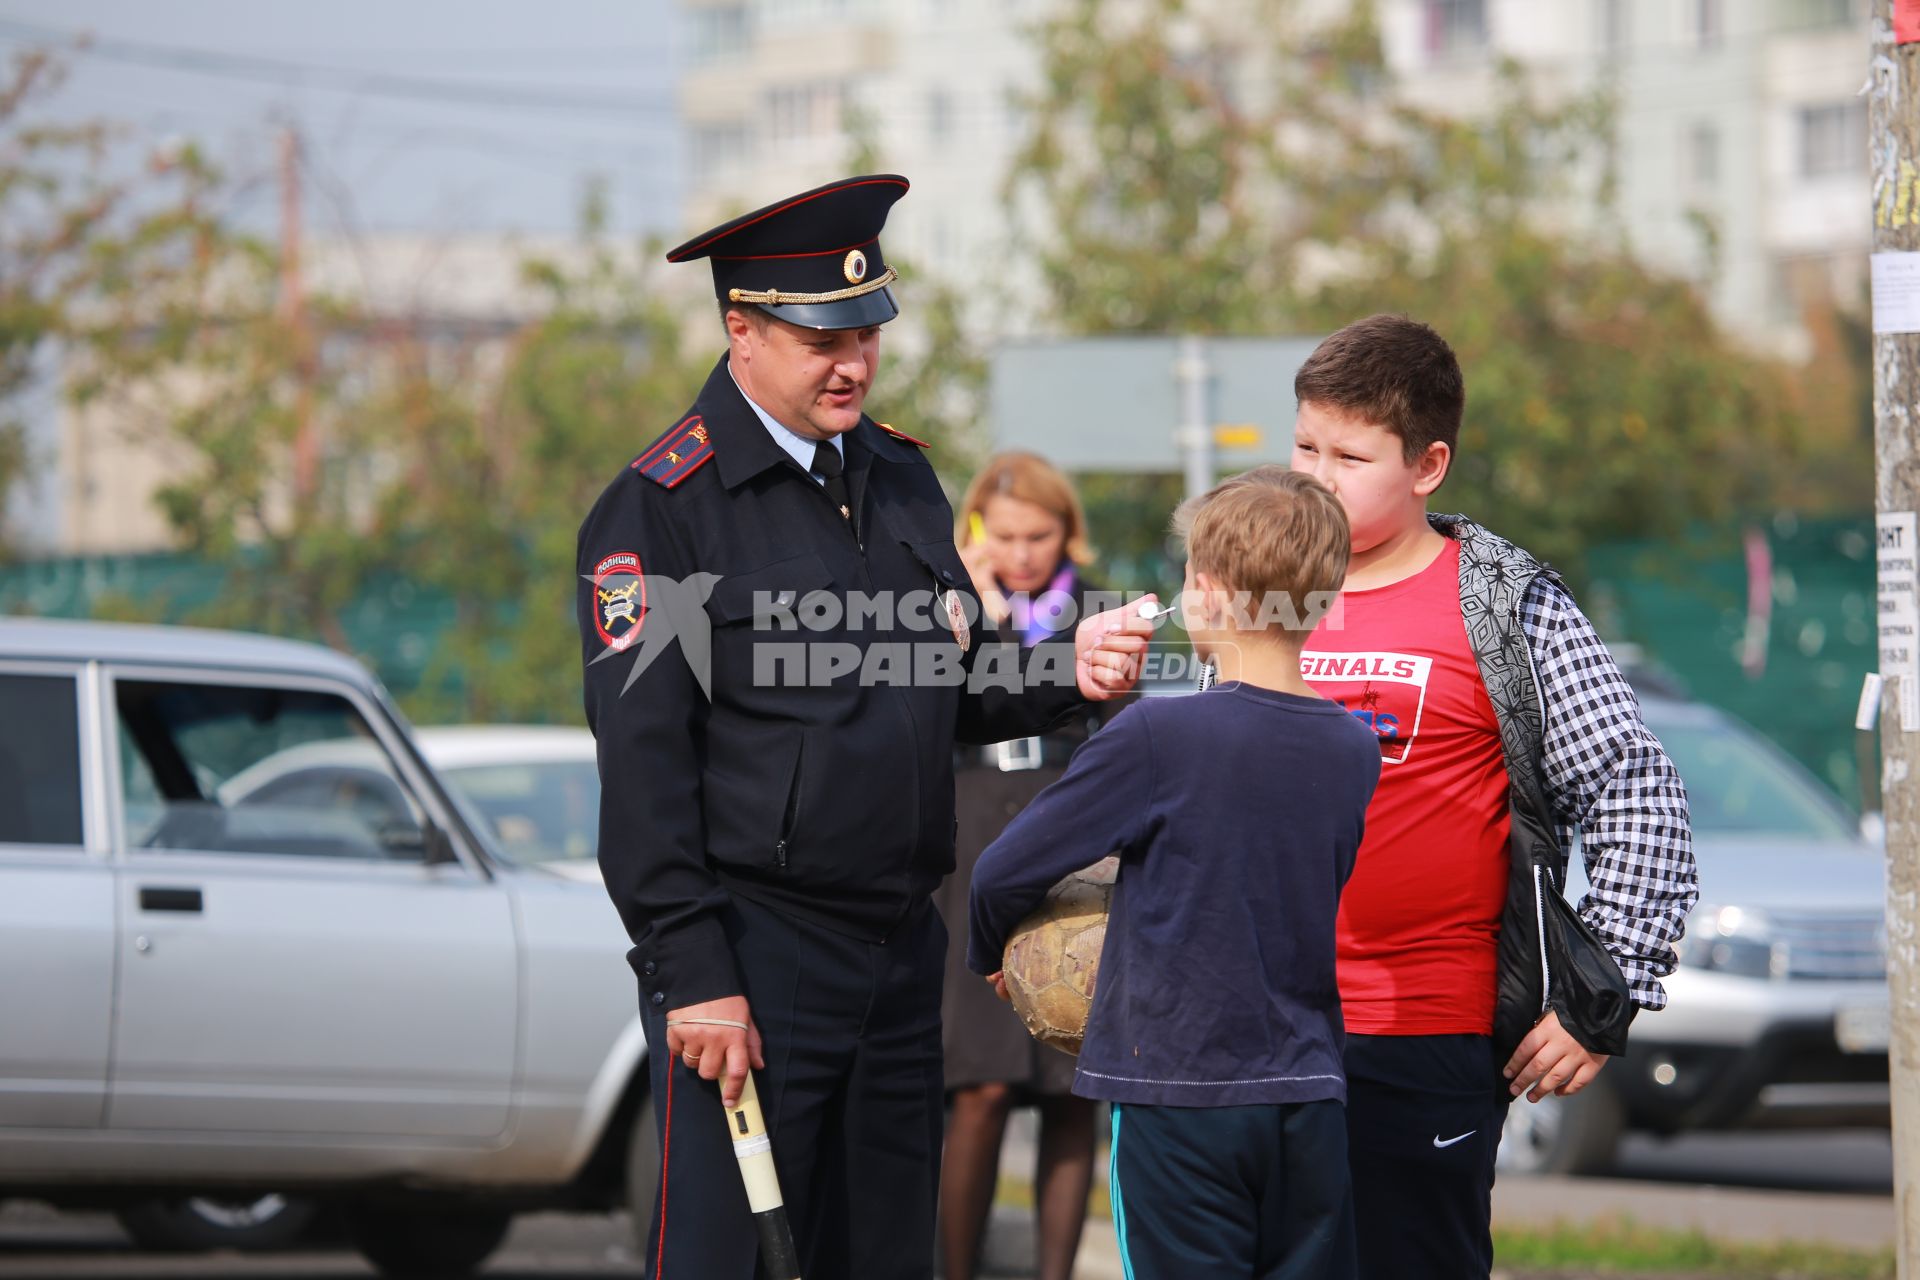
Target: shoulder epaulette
x=898, y=434
x=677, y=454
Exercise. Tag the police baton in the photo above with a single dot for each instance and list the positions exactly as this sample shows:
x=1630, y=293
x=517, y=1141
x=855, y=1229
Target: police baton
x=754, y=1150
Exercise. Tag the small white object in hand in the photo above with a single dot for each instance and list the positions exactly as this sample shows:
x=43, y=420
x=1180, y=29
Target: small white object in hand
x=1152, y=611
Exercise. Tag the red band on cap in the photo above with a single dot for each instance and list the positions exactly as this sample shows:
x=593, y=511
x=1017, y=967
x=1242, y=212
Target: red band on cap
x=691, y=250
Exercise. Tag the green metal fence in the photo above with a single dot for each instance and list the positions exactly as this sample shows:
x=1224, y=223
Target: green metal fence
x=1683, y=607
x=1686, y=607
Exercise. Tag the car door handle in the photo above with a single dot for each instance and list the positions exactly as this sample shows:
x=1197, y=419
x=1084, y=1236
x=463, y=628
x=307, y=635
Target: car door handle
x=155, y=899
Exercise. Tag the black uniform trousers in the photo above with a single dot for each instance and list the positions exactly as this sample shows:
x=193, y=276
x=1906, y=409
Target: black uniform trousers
x=1253, y=1191
x=852, y=1097
x=1424, y=1115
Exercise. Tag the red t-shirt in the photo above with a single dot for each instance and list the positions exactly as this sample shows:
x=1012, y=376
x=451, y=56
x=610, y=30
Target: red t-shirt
x=1421, y=915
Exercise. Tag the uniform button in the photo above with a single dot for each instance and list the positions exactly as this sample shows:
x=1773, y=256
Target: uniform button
x=946, y=575
x=784, y=600
x=651, y=968
x=659, y=998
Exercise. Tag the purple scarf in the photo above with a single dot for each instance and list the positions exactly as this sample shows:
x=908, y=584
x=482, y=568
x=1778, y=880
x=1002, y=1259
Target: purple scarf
x=1040, y=617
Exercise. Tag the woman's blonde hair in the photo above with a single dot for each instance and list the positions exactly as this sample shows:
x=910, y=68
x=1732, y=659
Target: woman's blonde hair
x=1030, y=478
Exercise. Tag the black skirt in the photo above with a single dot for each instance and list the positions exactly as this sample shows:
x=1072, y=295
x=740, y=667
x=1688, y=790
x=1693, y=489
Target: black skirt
x=985, y=1042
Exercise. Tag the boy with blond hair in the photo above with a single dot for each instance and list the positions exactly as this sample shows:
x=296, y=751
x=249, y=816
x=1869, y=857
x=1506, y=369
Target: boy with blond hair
x=1215, y=1029
x=1503, y=725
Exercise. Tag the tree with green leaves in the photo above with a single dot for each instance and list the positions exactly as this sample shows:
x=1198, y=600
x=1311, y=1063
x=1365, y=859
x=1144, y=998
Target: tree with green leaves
x=508, y=465
x=1235, y=168
x=56, y=197
x=450, y=464
x=187, y=349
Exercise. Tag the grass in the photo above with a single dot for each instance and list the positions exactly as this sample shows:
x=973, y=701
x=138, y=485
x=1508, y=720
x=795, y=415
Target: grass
x=1619, y=1247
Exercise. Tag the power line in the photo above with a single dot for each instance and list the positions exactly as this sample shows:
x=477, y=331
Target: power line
x=159, y=113
x=240, y=66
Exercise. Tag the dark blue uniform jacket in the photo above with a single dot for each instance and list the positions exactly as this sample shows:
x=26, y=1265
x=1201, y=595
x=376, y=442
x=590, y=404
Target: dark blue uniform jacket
x=822, y=792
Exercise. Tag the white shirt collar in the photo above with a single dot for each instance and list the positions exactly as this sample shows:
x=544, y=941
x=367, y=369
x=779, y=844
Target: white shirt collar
x=798, y=446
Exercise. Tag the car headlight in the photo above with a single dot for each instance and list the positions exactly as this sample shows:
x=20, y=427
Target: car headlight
x=1733, y=940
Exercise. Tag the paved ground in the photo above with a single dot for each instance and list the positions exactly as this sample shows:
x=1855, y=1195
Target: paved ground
x=38, y=1244
x=1833, y=1187
x=1826, y=1187
x=1858, y=1161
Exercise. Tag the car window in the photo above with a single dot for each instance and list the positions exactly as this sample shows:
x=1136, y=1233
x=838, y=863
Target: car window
x=547, y=811
x=39, y=761
x=1737, y=786
x=246, y=769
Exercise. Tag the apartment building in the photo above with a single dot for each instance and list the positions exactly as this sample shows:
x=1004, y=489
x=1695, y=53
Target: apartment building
x=779, y=95
x=106, y=461
x=1740, y=137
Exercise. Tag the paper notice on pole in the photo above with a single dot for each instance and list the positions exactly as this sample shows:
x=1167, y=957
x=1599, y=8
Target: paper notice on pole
x=1900, y=611
x=1896, y=292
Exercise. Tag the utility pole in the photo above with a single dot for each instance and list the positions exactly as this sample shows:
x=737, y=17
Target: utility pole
x=293, y=315
x=1894, y=153
x=1195, y=433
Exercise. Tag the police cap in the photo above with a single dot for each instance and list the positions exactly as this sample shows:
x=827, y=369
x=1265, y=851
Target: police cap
x=812, y=259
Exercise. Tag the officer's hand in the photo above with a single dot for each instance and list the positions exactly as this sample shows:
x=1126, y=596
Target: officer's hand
x=998, y=981
x=1107, y=648
x=1550, y=1060
x=717, y=1051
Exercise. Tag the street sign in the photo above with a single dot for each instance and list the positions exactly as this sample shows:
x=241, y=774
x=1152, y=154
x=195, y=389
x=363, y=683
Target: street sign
x=1236, y=435
x=1115, y=404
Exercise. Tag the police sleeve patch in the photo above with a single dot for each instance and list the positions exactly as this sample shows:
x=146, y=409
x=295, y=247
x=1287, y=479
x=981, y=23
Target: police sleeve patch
x=677, y=454
x=619, y=599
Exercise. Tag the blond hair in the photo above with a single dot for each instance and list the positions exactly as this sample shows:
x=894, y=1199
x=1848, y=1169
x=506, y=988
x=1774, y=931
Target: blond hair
x=1269, y=532
x=1030, y=478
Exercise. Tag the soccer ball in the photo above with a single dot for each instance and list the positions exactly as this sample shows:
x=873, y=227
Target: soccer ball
x=1053, y=958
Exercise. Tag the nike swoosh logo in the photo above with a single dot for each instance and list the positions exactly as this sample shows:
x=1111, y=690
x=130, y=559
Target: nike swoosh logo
x=1450, y=1141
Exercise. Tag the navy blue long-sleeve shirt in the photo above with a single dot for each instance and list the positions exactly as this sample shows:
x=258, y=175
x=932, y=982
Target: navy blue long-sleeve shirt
x=1236, y=814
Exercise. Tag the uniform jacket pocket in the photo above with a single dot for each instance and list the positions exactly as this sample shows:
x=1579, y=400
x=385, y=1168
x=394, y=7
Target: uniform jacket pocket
x=770, y=593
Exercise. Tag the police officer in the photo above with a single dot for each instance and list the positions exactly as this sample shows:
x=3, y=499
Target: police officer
x=782, y=647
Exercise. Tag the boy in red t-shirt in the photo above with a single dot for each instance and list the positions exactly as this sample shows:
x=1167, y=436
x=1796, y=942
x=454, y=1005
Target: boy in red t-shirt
x=1482, y=750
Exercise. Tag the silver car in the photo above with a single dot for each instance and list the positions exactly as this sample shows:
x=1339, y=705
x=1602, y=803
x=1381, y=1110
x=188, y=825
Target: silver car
x=1777, y=1015
x=234, y=991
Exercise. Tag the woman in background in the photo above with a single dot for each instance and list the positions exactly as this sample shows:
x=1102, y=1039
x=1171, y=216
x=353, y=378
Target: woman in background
x=1023, y=537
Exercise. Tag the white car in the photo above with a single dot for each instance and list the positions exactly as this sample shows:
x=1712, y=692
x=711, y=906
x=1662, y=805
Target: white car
x=537, y=787
x=258, y=977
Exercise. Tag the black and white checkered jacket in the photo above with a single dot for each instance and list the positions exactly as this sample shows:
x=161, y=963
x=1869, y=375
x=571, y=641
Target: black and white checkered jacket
x=1579, y=758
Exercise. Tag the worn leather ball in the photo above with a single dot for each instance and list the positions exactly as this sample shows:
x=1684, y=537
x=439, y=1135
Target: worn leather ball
x=1052, y=961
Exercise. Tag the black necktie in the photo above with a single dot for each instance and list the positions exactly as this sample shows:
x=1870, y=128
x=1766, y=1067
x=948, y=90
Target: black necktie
x=827, y=465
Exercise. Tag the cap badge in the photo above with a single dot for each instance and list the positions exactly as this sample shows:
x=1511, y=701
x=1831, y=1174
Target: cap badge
x=855, y=267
